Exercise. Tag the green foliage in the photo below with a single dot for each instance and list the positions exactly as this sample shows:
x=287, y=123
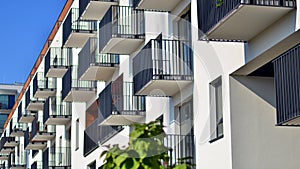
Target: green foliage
x=145, y=151
x=219, y=3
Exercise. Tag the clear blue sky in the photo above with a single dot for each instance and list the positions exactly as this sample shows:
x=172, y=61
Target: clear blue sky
x=24, y=28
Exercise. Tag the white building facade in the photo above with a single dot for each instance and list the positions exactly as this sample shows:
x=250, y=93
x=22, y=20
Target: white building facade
x=222, y=76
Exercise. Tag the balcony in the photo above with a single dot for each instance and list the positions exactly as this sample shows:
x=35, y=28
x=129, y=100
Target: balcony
x=162, y=68
x=118, y=105
x=287, y=87
x=57, y=113
x=122, y=30
x=75, y=31
x=43, y=87
x=94, y=9
x=57, y=61
x=95, y=66
x=57, y=157
x=33, y=145
x=230, y=20
x=181, y=146
x=3, y=157
x=75, y=90
x=6, y=103
x=33, y=104
x=162, y=5
x=18, y=162
x=5, y=149
x=17, y=129
x=9, y=142
x=41, y=132
x=24, y=116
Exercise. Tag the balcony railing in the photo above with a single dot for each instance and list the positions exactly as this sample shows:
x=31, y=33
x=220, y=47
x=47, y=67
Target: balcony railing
x=36, y=103
x=39, y=127
x=58, y=156
x=70, y=82
x=43, y=84
x=57, y=58
x=72, y=24
x=287, y=89
x=19, y=161
x=85, y=4
x=162, y=60
x=117, y=101
x=181, y=147
x=121, y=22
x=89, y=57
x=211, y=13
x=59, y=111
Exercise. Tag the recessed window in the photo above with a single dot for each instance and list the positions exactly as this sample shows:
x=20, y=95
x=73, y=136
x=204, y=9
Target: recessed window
x=216, y=110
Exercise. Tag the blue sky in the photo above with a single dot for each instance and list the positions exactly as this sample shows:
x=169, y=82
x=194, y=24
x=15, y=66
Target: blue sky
x=24, y=28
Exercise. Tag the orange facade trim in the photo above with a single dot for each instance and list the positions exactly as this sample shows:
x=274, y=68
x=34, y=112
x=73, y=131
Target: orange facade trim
x=40, y=57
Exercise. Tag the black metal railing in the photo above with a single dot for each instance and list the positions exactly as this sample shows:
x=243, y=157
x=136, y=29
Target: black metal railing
x=118, y=98
x=42, y=83
x=162, y=60
x=58, y=57
x=210, y=13
x=74, y=24
x=27, y=97
x=181, y=147
x=59, y=109
x=19, y=161
x=84, y=3
x=90, y=56
x=121, y=21
x=26, y=137
x=70, y=81
x=37, y=126
x=286, y=75
x=59, y=157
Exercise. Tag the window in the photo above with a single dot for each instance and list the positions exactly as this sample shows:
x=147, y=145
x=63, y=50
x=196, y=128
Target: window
x=216, y=110
x=77, y=135
x=7, y=101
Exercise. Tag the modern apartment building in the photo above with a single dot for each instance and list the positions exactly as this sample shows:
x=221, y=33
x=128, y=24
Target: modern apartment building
x=221, y=75
x=8, y=96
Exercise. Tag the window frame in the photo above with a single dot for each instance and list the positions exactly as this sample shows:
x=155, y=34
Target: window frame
x=216, y=109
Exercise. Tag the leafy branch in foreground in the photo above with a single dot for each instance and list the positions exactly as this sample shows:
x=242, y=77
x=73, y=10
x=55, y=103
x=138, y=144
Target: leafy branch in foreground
x=146, y=150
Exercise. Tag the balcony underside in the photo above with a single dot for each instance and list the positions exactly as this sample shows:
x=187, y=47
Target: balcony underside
x=58, y=120
x=3, y=157
x=116, y=120
x=17, y=133
x=95, y=10
x=292, y=122
x=95, y=73
x=11, y=144
x=35, y=105
x=18, y=167
x=36, y=146
x=163, y=87
x=43, y=136
x=26, y=119
x=45, y=93
x=80, y=95
x=58, y=72
x=7, y=150
x=163, y=5
x=5, y=111
x=122, y=45
x=78, y=39
x=246, y=22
